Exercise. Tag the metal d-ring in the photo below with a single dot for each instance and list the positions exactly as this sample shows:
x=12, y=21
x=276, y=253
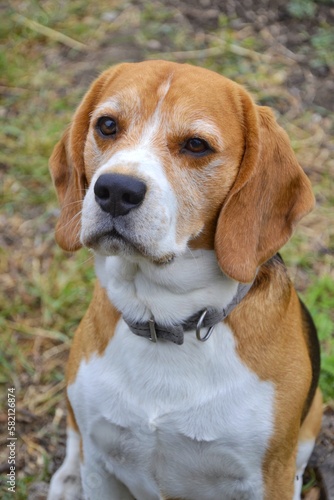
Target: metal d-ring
x=199, y=326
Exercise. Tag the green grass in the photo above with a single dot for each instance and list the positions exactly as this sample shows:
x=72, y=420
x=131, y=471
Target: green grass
x=319, y=297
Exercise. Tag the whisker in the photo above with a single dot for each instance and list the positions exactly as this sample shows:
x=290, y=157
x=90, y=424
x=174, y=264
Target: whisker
x=89, y=259
x=72, y=203
x=77, y=225
x=77, y=215
x=194, y=257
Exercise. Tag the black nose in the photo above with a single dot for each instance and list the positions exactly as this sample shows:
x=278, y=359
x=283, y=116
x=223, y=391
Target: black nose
x=118, y=194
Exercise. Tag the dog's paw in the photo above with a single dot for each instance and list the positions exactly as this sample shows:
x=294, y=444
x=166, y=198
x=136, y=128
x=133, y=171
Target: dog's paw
x=65, y=485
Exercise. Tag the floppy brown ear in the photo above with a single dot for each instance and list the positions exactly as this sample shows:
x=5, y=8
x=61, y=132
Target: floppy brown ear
x=70, y=183
x=270, y=195
x=67, y=166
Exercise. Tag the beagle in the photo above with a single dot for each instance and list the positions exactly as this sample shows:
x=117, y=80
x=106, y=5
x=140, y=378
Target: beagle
x=193, y=375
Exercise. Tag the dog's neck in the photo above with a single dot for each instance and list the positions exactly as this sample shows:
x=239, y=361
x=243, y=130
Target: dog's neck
x=172, y=292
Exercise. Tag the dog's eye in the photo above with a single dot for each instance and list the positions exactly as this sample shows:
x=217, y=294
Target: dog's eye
x=196, y=146
x=106, y=126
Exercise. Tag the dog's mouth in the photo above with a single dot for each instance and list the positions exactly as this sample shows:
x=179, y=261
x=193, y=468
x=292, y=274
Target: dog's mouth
x=112, y=242
x=110, y=238
x=113, y=234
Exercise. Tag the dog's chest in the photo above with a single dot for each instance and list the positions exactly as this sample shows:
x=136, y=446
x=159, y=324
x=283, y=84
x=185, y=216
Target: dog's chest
x=187, y=421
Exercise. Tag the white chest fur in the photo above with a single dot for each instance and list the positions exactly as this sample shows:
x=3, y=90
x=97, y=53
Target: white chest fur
x=188, y=421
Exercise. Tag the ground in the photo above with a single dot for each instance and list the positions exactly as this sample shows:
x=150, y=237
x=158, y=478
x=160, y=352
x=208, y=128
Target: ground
x=51, y=52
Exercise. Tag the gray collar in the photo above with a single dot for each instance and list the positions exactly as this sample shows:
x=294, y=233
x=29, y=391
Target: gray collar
x=207, y=318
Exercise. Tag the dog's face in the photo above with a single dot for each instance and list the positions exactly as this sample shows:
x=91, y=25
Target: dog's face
x=158, y=161
x=161, y=156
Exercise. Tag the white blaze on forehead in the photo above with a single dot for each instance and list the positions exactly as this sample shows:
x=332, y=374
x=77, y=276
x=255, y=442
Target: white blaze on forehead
x=156, y=121
x=163, y=89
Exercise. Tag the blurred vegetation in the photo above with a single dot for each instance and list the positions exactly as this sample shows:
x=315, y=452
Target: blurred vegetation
x=51, y=53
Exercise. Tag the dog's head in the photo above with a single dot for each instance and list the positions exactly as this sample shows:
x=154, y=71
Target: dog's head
x=161, y=156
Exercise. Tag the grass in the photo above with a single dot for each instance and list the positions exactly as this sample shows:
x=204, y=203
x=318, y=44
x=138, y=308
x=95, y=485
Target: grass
x=44, y=292
x=320, y=300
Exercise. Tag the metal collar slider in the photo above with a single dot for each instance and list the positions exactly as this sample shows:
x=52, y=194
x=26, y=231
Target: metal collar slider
x=153, y=332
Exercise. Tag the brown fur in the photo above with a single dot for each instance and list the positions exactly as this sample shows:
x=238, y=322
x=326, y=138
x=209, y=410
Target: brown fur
x=270, y=195
x=94, y=332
